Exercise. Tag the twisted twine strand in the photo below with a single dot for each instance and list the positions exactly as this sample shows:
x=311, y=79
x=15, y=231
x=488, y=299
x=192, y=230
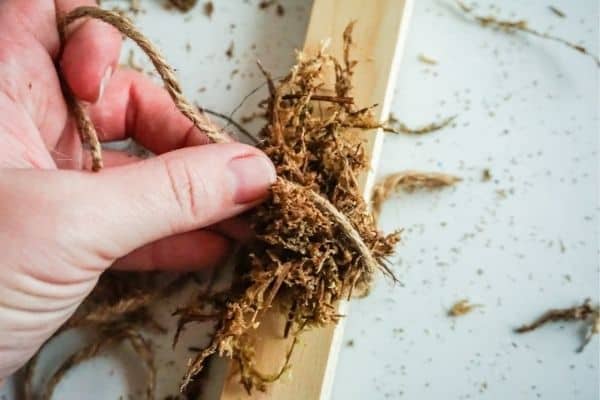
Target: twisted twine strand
x=126, y=27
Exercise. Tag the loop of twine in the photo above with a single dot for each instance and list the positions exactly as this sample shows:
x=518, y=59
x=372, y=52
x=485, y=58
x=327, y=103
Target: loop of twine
x=125, y=26
x=135, y=339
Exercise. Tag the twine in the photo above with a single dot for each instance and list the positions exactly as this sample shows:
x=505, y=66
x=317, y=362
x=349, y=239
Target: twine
x=86, y=128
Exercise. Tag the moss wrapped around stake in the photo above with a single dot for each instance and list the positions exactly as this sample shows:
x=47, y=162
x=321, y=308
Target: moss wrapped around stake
x=315, y=241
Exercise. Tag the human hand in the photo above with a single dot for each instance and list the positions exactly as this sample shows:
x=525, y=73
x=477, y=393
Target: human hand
x=60, y=226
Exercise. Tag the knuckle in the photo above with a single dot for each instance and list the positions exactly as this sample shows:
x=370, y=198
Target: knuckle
x=186, y=188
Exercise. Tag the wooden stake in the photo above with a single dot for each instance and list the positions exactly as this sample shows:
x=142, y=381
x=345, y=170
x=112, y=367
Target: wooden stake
x=379, y=37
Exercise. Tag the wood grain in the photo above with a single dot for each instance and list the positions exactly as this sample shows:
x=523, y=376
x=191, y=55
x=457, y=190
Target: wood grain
x=379, y=37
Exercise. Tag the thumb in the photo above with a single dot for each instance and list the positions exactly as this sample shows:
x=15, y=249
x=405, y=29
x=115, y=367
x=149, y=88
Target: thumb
x=58, y=229
x=176, y=192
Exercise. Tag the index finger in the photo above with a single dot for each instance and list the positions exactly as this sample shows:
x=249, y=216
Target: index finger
x=133, y=106
x=90, y=54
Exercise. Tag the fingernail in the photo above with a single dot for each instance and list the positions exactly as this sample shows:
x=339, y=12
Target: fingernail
x=252, y=177
x=104, y=81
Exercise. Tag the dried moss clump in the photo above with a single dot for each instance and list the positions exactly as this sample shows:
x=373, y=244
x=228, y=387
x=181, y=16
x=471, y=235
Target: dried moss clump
x=585, y=312
x=462, y=307
x=409, y=181
x=182, y=5
x=304, y=257
x=397, y=126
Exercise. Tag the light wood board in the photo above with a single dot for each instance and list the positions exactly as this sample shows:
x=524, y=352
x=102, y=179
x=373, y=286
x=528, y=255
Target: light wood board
x=379, y=37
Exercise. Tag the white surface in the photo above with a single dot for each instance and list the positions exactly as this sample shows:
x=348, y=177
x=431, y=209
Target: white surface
x=527, y=110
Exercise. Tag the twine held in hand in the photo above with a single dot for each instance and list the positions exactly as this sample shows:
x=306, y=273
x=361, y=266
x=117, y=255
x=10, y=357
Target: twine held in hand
x=125, y=26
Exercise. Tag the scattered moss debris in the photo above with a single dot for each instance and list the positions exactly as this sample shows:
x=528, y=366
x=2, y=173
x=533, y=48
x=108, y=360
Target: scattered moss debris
x=585, y=312
x=229, y=51
x=462, y=307
x=486, y=175
x=135, y=6
x=561, y=244
x=396, y=126
x=264, y=4
x=409, y=181
x=426, y=60
x=557, y=12
x=279, y=9
x=208, y=9
x=511, y=26
x=182, y=5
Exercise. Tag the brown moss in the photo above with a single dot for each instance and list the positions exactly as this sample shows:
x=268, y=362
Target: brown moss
x=208, y=9
x=585, y=312
x=229, y=51
x=426, y=59
x=396, y=126
x=409, y=181
x=462, y=307
x=512, y=26
x=182, y=5
x=302, y=261
x=264, y=4
x=557, y=12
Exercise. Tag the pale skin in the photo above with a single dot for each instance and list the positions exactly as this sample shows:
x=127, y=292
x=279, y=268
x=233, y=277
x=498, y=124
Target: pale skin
x=61, y=226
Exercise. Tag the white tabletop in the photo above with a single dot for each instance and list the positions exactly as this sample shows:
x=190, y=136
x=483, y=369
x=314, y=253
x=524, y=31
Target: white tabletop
x=525, y=241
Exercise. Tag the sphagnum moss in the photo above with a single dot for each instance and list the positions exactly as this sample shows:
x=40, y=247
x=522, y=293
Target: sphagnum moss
x=315, y=241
